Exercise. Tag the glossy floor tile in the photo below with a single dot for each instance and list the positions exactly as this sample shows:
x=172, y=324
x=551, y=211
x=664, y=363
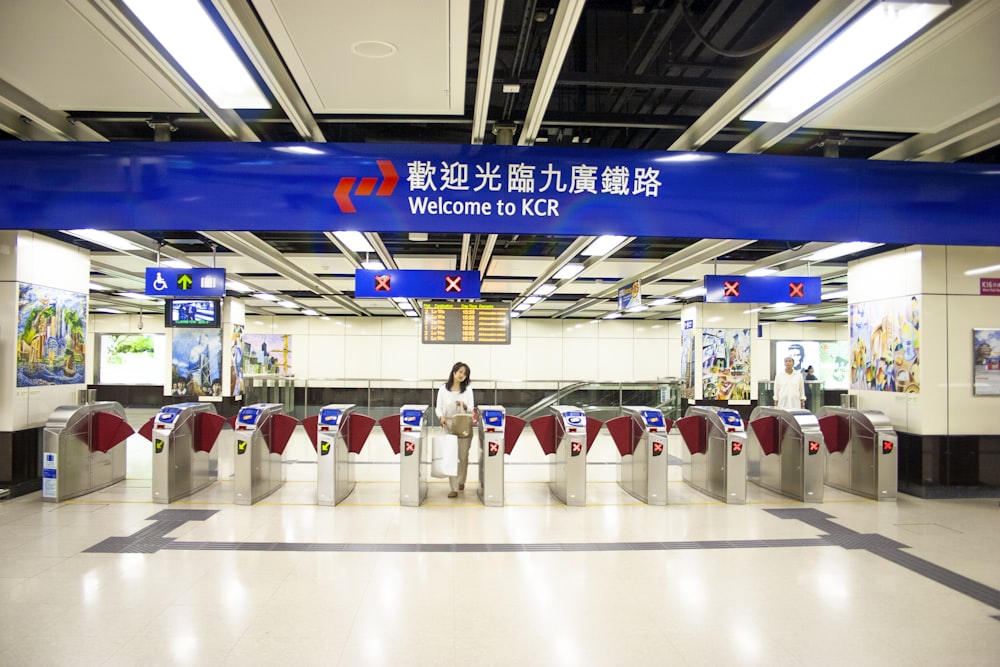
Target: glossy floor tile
x=113, y=579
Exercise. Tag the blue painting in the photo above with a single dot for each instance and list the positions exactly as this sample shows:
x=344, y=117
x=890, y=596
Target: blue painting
x=51, y=336
x=197, y=362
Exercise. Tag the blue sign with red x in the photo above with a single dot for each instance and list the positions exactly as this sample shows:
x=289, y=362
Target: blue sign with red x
x=763, y=289
x=416, y=284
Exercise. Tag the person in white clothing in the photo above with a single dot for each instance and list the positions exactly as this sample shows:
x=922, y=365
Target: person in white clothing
x=454, y=398
x=789, y=388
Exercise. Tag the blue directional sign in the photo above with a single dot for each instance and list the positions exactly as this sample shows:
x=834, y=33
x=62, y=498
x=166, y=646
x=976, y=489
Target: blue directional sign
x=416, y=284
x=763, y=289
x=166, y=282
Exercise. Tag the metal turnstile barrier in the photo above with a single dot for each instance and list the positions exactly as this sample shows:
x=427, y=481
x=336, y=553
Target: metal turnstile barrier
x=80, y=452
x=640, y=435
x=498, y=433
x=566, y=435
x=338, y=434
x=184, y=456
x=262, y=432
x=786, y=453
x=714, y=458
x=862, y=449
x=407, y=434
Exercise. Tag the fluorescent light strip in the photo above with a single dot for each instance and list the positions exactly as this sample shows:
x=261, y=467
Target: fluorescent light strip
x=839, y=294
x=602, y=245
x=309, y=311
x=237, y=286
x=188, y=33
x=285, y=303
x=866, y=40
x=177, y=264
x=545, y=290
x=109, y=311
x=985, y=269
x=664, y=301
x=355, y=241
x=694, y=291
x=264, y=296
x=568, y=271
x=756, y=273
x=372, y=265
x=101, y=237
x=840, y=250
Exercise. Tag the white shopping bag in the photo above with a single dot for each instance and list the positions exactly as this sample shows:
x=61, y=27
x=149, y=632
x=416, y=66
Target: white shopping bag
x=444, y=455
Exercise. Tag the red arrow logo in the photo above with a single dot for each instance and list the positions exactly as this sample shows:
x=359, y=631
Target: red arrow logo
x=342, y=194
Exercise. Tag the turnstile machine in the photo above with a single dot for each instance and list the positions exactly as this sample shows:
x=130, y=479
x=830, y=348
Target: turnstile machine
x=498, y=433
x=862, y=449
x=338, y=434
x=184, y=456
x=786, y=453
x=407, y=435
x=262, y=432
x=565, y=436
x=714, y=458
x=640, y=435
x=80, y=452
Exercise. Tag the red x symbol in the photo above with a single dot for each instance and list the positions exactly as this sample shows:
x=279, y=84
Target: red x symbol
x=813, y=446
x=410, y=447
x=576, y=448
x=382, y=283
x=657, y=448
x=731, y=288
x=796, y=289
x=494, y=448
x=737, y=446
x=453, y=283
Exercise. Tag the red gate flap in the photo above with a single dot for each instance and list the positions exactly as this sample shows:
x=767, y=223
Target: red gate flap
x=620, y=429
x=146, y=430
x=281, y=430
x=545, y=430
x=108, y=431
x=836, y=432
x=390, y=426
x=694, y=432
x=593, y=428
x=311, y=425
x=766, y=430
x=207, y=429
x=512, y=431
x=359, y=427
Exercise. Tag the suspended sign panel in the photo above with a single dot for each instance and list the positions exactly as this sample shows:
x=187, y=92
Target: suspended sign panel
x=417, y=284
x=763, y=289
x=164, y=281
x=470, y=323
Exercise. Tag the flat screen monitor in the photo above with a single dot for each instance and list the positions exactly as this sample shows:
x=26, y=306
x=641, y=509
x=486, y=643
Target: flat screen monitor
x=192, y=313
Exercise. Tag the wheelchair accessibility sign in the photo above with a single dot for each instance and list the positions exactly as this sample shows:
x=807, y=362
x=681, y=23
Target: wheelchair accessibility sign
x=167, y=282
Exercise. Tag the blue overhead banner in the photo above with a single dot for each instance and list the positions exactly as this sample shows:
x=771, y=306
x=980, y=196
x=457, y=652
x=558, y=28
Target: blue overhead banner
x=763, y=289
x=162, y=281
x=416, y=284
x=488, y=189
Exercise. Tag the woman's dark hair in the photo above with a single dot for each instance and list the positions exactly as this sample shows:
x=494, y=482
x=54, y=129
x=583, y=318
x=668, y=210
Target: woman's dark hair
x=451, y=376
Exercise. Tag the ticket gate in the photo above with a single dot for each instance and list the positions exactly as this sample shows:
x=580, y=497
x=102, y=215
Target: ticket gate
x=786, y=453
x=861, y=451
x=80, y=452
x=407, y=434
x=498, y=433
x=640, y=435
x=262, y=432
x=566, y=435
x=338, y=434
x=714, y=458
x=184, y=456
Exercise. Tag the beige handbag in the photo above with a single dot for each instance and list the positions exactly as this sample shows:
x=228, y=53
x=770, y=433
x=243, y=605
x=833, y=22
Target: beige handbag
x=460, y=425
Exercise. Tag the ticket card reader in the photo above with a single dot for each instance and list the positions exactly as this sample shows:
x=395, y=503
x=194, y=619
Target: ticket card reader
x=262, y=431
x=861, y=451
x=498, y=433
x=641, y=437
x=414, y=454
x=714, y=458
x=786, y=453
x=565, y=435
x=185, y=459
x=338, y=434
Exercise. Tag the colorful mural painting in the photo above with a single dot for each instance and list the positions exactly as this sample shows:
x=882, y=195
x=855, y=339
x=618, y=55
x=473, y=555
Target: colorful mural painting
x=885, y=345
x=725, y=361
x=687, y=360
x=268, y=353
x=51, y=336
x=236, y=368
x=197, y=362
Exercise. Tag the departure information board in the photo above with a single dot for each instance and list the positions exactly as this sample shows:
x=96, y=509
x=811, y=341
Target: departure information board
x=473, y=323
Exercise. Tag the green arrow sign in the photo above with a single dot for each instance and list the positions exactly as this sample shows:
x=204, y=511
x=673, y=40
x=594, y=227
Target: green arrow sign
x=184, y=281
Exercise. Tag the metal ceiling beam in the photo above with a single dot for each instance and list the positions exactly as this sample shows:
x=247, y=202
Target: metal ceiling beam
x=492, y=17
x=226, y=120
x=563, y=27
x=968, y=137
x=244, y=24
x=26, y=118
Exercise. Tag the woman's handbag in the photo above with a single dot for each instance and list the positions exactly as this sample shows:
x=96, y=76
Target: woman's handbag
x=460, y=425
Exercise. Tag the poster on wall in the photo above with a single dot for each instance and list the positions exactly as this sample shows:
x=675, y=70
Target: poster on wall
x=833, y=366
x=725, y=360
x=51, y=336
x=885, y=345
x=804, y=353
x=131, y=359
x=236, y=366
x=197, y=362
x=270, y=354
x=986, y=365
x=687, y=360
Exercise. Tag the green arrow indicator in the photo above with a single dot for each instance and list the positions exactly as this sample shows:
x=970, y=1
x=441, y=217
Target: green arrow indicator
x=184, y=281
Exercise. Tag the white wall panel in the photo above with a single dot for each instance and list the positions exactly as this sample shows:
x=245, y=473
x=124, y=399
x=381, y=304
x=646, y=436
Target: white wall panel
x=579, y=360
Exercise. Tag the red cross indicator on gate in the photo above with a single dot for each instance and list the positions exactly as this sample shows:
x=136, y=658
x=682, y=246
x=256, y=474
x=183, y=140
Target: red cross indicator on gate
x=575, y=449
x=494, y=448
x=453, y=283
x=657, y=448
x=737, y=447
x=382, y=283
x=813, y=447
x=731, y=288
x=410, y=447
x=796, y=290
